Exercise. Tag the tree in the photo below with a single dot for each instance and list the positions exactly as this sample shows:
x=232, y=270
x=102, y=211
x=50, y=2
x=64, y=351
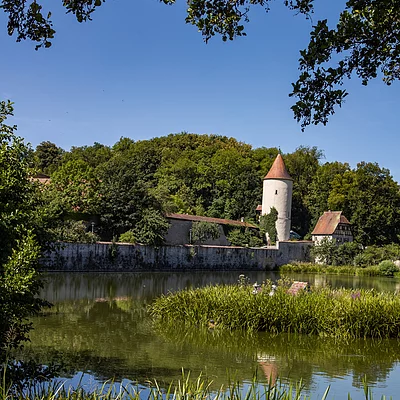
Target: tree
x=19, y=248
x=364, y=42
x=320, y=188
x=48, y=157
x=268, y=225
x=203, y=231
x=76, y=187
x=302, y=166
x=370, y=199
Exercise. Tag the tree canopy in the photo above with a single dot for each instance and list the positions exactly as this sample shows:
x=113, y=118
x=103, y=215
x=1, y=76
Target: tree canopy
x=364, y=43
x=135, y=183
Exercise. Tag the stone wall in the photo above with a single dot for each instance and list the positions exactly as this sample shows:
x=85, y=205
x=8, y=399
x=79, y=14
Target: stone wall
x=126, y=257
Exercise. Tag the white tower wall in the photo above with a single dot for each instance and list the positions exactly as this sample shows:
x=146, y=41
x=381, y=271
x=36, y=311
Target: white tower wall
x=278, y=193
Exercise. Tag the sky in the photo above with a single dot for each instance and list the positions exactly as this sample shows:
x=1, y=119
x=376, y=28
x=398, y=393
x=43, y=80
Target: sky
x=138, y=71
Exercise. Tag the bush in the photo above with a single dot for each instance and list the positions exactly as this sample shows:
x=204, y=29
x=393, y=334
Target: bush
x=127, y=237
x=387, y=268
x=244, y=238
x=203, y=231
x=74, y=231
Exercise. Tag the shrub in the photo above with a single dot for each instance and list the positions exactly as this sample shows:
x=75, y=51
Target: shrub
x=268, y=225
x=203, y=231
x=244, y=237
x=127, y=237
x=387, y=268
x=74, y=231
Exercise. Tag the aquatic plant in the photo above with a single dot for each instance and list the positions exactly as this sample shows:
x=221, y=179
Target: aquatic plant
x=185, y=388
x=323, y=311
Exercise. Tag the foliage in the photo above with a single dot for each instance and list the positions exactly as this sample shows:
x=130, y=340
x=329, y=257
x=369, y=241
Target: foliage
x=268, y=225
x=151, y=228
x=74, y=231
x=75, y=187
x=328, y=252
x=365, y=42
x=203, y=231
x=19, y=249
x=48, y=157
x=336, y=313
x=373, y=255
x=127, y=237
x=387, y=268
x=368, y=184
x=244, y=237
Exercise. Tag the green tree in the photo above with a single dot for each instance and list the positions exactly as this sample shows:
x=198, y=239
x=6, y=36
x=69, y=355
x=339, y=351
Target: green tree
x=75, y=187
x=268, y=225
x=364, y=43
x=48, y=157
x=370, y=199
x=302, y=166
x=203, y=231
x=316, y=199
x=19, y=249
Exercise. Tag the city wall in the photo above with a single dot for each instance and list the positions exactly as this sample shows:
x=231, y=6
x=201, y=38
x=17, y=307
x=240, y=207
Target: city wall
x=121, y=257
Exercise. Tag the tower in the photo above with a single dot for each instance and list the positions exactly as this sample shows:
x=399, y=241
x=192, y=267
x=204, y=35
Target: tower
x=277, y=192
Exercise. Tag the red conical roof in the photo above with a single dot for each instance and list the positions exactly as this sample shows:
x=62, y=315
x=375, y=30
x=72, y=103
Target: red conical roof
x=278, y=170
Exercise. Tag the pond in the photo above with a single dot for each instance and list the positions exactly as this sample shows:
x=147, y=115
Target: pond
x=99, y=326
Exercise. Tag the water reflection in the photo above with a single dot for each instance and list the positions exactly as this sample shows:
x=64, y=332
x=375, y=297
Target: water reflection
x=99, y=324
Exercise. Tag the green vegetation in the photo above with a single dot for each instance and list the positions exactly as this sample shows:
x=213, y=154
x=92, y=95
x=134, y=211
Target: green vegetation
x=186, y=388
x=323, y=311
x=244, y=237
x=268, y=225
x=203, y=231
x=372, y=260
x=215, y=176
x=385, y=268
x=21, y=225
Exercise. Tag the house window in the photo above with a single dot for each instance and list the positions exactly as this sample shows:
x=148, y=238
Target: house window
x=276, y=191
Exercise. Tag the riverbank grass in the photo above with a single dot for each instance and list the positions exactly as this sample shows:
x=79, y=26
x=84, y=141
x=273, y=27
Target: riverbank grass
x=384, y=268
x=326, y=312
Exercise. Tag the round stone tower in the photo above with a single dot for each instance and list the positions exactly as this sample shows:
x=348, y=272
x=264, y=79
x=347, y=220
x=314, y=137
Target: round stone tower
x=277, y=192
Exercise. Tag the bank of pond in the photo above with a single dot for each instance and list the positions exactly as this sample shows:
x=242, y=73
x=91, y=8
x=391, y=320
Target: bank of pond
x=385, y=268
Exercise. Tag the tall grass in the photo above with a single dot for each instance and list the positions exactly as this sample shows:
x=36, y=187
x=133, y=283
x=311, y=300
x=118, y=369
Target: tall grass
x=311, y=268
x=184, y=389
x=335, y=313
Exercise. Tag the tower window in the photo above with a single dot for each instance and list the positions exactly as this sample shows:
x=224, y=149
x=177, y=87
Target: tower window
x=276, y=191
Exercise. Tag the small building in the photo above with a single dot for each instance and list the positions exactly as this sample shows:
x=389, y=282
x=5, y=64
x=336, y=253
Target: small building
x=180, y=227
x=333, y=225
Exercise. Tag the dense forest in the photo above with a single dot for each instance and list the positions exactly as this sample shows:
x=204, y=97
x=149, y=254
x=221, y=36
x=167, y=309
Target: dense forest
x=131, y=185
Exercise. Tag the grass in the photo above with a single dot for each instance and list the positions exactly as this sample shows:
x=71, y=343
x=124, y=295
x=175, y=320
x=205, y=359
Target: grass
x=184, y=389
x=311, y=268
x=325, y=312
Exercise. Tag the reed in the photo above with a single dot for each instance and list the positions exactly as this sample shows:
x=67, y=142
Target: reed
x=338, y=313
x=311, y=268
x=184, y=389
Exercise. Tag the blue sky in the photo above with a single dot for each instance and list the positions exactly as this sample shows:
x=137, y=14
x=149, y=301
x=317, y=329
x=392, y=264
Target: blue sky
x=137, y=70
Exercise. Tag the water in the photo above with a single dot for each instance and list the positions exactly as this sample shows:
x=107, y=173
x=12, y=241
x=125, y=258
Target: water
x=99, y=326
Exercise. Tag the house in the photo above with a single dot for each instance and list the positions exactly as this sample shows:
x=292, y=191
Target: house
x=333, y=225
x=180, y=227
